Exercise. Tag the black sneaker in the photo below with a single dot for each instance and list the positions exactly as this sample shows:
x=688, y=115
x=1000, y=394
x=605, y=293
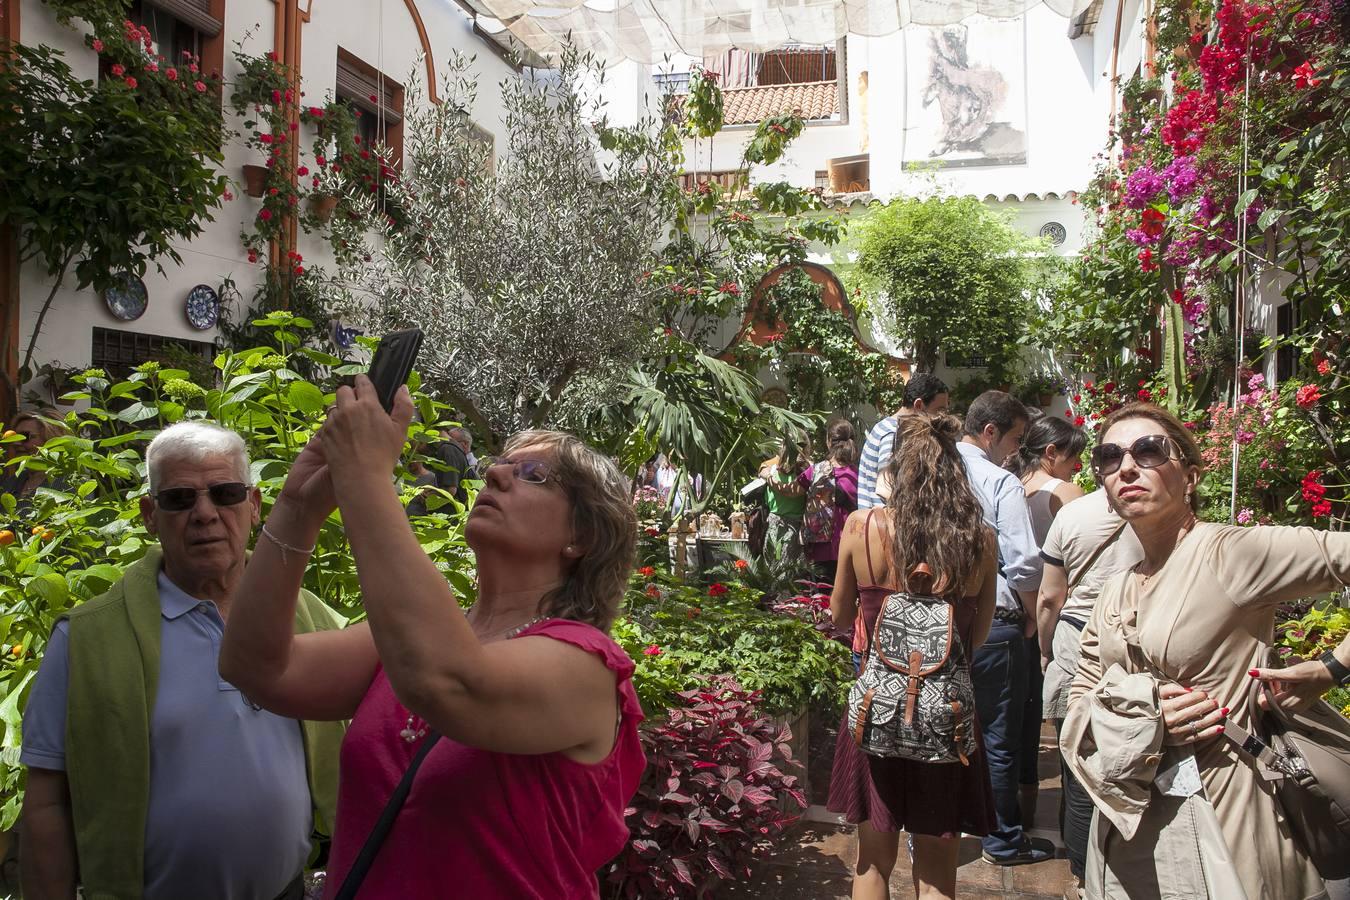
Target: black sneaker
x=1035, y=850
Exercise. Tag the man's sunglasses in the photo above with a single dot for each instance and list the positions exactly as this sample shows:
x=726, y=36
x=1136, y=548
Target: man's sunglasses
x=224, y=493
x=530, y=471
x=1149, y=452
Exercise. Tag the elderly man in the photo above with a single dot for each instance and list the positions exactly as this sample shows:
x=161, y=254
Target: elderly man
x=456, y=461
x=149, y=776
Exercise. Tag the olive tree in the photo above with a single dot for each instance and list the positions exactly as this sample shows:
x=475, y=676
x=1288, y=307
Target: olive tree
x=530, y=277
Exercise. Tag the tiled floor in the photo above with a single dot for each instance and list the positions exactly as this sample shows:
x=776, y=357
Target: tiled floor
x=817, y=864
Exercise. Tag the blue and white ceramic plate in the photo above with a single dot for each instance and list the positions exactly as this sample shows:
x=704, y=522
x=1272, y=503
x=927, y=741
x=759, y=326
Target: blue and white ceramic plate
x=203, y=307
x=127, y=297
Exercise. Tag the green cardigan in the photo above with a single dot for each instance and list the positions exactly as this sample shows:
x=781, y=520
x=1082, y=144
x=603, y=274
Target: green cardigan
x=114, y=673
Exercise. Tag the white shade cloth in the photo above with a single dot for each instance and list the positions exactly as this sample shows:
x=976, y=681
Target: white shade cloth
x=651, y=30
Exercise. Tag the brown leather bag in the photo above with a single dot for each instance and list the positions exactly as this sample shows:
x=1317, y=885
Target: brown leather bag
x=1307, y=756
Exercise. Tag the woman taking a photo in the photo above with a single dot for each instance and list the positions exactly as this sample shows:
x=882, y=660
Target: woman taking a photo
x=523, y=794
x=1201, y=606
x=931, y=516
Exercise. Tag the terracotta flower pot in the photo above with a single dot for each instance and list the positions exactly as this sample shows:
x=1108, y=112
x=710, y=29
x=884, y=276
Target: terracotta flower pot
x=322, y=205
x=1045, y=400
x=255, y=180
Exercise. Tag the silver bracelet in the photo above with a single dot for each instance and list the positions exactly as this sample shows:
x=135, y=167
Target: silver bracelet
x=284, y=547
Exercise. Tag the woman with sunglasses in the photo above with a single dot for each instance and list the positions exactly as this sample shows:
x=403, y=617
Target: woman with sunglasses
x=525, y=702
x=1201, y=608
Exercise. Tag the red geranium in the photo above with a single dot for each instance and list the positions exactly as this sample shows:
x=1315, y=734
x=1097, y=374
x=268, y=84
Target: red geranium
x=1324, y=368
x=717, y=590
x=118, y=70
x=1152, y=224
x=651, y=650
x=647, y=571
x=742, y=564
x=1304, y=76
x=131, y=82
x=1146, y=262
x=1307, y=396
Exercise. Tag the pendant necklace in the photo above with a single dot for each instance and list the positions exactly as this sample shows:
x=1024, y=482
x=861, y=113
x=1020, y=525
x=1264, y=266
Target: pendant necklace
x=416, y=728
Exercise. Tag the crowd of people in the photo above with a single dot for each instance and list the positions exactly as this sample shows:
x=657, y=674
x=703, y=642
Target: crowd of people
x=207, y=725
x=1060, y=597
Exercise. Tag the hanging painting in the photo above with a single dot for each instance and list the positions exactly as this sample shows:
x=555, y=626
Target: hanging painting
x=966, y=94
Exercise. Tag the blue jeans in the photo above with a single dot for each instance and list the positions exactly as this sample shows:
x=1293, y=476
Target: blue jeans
x=1000, y=673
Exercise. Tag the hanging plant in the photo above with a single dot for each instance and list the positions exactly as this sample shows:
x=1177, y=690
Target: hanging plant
x=263, y=96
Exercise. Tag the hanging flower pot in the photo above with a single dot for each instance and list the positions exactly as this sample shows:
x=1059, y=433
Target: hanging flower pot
x=1044, y=400
x=322, y=205
x=255, y=180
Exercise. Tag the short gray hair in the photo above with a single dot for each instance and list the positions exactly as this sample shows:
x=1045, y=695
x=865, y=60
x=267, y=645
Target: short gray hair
x=460, y=434
x=195, y=442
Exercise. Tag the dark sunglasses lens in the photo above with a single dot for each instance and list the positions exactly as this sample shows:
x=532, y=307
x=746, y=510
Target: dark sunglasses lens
x=532, y=472
x=1106, y=458
x=1151, y=452
x=176, y=499
x=228, y=493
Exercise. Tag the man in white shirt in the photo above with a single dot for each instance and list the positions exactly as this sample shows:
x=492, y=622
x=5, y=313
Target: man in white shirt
x=994, y=426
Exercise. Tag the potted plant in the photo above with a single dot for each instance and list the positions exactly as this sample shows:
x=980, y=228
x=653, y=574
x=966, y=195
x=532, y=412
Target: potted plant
x=1040, y=387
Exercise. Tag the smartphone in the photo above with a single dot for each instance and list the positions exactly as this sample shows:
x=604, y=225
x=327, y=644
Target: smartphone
x=393, y=363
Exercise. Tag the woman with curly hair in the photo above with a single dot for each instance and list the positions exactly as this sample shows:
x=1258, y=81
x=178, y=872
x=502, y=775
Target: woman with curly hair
x=932, y=516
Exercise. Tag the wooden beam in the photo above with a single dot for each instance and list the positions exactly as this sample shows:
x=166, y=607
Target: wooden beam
x=9, y=257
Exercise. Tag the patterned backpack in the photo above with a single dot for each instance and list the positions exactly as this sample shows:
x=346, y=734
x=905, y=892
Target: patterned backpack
x=818, y=522
x=915, y=699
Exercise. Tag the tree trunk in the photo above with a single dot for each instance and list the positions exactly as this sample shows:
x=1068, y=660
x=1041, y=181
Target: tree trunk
x=925, y=356
x=42, y=315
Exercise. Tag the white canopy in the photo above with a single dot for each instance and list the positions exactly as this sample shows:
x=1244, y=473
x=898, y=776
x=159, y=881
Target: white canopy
x=651, y=30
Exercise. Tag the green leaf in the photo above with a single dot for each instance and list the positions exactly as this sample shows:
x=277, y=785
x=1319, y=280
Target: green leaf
x=305, y=397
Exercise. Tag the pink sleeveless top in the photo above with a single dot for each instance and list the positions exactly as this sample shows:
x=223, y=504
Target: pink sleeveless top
x=483, y=824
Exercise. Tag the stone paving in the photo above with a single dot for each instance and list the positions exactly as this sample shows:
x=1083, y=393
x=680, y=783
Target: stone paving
x=818, y=864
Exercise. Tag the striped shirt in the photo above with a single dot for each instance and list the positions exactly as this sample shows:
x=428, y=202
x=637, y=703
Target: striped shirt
x=876, y=453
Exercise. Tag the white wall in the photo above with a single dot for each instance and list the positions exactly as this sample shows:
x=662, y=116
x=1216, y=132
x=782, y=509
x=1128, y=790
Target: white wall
x=383, y=35
x=1068, y=111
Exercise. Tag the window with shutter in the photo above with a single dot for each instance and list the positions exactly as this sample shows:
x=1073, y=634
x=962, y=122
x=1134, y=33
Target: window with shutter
x=176, y=27
x=378, y=99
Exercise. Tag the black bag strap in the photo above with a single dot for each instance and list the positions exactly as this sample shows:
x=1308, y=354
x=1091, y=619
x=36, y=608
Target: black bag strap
x=357, y=874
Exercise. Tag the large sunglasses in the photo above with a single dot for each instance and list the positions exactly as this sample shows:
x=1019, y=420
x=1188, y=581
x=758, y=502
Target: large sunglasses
x=530, y=471
x=224, y=493
x=1149, y=452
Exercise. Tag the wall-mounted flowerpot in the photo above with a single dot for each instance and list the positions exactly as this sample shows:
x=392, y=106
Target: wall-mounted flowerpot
x=322, y=205
x=255, y=180
x=1045, y=400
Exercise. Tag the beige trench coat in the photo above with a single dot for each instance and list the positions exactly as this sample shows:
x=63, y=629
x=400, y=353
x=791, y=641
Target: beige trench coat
x=1143, y=843
x=1202, y=620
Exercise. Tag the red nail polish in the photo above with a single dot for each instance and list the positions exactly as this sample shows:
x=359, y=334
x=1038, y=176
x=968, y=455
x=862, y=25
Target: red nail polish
x=1254, y=672
x=1224, y=711
x=1220, y=729
x=1186, y=689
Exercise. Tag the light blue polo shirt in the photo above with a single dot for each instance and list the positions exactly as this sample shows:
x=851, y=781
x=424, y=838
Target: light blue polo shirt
x=229, y=815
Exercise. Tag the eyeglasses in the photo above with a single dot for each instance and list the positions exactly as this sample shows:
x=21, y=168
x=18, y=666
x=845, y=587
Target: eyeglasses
x=1149, y=452
x=224, y=493
x=530, y=471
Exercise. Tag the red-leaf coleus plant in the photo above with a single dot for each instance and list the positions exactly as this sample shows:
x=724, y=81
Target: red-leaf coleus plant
x=714, y=796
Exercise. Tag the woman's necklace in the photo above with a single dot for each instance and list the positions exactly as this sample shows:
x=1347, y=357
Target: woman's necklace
x=416, y=728
x=1144, y=578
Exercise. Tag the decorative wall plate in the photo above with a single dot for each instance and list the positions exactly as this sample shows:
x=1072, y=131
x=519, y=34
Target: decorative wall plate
x=1055, y=232
x=127, y=297
x=203, y=307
